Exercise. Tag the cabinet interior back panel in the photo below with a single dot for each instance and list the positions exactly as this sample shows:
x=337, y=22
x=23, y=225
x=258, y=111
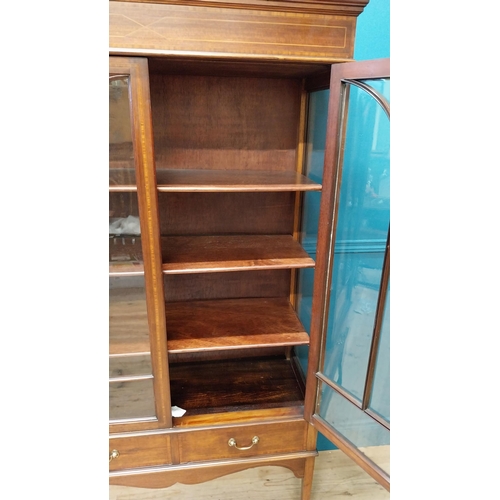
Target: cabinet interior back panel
x=209, y=122
x=226, y=213
x=234, y=385
x=209, y=286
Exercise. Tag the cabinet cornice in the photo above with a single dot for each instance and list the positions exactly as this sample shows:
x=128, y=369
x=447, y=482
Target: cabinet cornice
x=336, y=7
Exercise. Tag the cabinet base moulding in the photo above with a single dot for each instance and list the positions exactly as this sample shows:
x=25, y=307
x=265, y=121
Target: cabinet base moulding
x=193, y=473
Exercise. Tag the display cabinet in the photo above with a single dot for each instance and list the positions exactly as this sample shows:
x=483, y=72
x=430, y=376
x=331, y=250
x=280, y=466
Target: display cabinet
x=208, y=106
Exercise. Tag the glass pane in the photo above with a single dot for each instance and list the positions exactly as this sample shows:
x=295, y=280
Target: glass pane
x=131, y=399
x=382, y=86
x=121, y=151
x=125, y=250
x=131, y=381
x=314, y=158
x=362, y=228
x=128, y=317
x=351, y=320
x=129, y=366
x=124, y=225
x=366, y=434
x=380, y=400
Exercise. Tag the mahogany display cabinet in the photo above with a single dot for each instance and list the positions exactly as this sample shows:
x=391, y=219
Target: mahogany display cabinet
x=209, y=119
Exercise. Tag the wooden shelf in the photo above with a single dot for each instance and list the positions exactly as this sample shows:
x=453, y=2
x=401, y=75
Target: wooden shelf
x=233, y=385
x=208, y=325
x=195, y=254
x=187, y=180
x=213, y=181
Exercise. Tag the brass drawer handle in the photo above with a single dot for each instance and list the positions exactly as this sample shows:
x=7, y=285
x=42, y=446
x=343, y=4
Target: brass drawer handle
x=113, y=454
x=232, y=442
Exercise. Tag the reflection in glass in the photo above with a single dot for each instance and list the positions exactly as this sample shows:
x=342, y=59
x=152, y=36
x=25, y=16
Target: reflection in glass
x=130, y=366
x=382, y=86
x=131, y=393
x=129, y=349
x=380, y=400
x=351, y=322
x=124, y=229
x=131, y=399
x=362, y=227
x=366, y=434
x=314, y=158
x=128, y=316
x=121, y=151
x=124, y=225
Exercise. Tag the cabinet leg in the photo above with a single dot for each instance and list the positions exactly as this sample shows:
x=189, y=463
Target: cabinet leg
x=308, y=479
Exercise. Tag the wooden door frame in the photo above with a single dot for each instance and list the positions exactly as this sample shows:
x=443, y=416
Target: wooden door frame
x=142, y=138
x=327, y=226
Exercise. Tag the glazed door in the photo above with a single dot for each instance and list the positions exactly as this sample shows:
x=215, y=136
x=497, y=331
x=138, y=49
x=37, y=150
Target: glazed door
x=138, y=373
x=347, y=396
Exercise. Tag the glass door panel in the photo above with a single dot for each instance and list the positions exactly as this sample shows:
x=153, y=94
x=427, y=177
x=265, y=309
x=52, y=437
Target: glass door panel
x=380, y=398
x=125, y=248
x=128, y=318
x=352, y=315
x=354, y=424
x=131, y=394
x=313, y=169
x=138, y=375
x=131, y=399
x=351, y=290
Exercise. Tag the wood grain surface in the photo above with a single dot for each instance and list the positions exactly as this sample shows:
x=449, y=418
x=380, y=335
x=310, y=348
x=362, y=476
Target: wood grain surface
x=226, y=213
x=225, y=123
x=185, y=254
x=244, y=284
x=185, y=180
x=238, y=323
x=244, y=384
x=189, y=180
x=227, y=32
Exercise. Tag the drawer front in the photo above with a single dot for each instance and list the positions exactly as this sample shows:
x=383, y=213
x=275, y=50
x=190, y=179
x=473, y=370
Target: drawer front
x=236, y=442
x=139, y=451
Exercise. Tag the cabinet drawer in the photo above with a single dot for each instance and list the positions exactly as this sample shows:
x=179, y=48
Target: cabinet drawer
x=214, y=444
x=140, y=451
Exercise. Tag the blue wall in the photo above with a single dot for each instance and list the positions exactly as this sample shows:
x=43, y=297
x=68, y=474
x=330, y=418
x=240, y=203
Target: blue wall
x=373, y=31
